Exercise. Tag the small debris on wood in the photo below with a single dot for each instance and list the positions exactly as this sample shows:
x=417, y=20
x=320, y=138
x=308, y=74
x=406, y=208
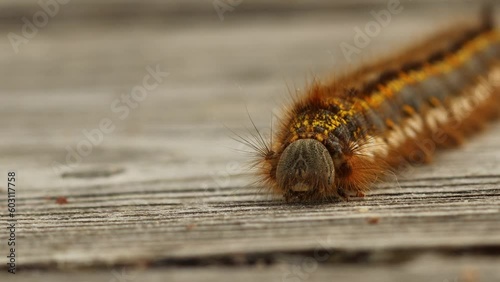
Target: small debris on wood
x=61, y=200
x=373, y=220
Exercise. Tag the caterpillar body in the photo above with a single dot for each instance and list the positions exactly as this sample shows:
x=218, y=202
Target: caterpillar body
x=345, y=134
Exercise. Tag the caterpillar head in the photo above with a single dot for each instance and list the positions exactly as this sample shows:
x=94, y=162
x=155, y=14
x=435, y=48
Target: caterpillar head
x=305, y=169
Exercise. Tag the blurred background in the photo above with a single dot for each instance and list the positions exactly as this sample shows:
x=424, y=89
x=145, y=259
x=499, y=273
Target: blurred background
x=65, y=63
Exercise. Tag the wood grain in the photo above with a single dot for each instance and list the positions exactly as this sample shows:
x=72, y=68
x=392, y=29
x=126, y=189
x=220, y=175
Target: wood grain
x=168, y=187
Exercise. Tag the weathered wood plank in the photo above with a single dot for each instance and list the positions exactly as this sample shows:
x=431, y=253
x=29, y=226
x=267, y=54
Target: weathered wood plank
x=426, y=268
x=165, y=188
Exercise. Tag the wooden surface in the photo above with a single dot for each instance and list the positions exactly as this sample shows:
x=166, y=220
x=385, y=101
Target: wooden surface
x=168, y=188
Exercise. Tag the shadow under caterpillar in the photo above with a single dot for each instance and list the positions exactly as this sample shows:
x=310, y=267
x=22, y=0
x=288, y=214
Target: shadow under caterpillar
x=345, y=134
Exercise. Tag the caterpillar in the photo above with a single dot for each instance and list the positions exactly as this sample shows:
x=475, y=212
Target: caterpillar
x=344, y=134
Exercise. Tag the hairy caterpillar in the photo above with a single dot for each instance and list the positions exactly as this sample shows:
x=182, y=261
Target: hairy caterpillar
x=345, y=134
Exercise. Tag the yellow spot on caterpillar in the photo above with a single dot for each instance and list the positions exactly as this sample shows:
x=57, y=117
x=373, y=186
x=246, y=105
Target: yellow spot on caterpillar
x=435, y=102
x=390, y=124
x=408, y=110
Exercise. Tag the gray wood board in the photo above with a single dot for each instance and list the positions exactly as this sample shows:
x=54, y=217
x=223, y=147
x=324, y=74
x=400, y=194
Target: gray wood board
x=167, y=188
